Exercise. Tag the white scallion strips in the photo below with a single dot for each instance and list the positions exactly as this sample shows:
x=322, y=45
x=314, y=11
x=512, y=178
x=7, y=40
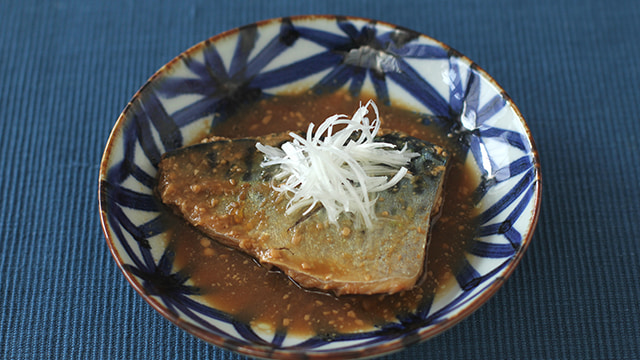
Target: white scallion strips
x=339, y=169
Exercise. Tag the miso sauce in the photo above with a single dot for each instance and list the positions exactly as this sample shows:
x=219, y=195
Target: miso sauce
x=265, y=298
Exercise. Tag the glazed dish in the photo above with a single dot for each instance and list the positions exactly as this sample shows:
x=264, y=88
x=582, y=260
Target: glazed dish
x=221, y=207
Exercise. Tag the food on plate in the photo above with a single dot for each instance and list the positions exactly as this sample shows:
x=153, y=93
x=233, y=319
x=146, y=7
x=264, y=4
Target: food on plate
x=263, y=296
x=221, y=188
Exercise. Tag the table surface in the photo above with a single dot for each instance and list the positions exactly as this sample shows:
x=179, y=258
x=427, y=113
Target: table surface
x=68, y=68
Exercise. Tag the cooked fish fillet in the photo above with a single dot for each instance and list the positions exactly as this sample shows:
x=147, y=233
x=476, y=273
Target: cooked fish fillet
x=220, y=188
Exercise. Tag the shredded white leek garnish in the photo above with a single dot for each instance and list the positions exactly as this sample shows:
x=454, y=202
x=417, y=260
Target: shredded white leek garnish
x=341, y=170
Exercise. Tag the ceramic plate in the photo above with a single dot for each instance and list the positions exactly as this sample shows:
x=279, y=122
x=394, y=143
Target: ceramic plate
x=209, y=82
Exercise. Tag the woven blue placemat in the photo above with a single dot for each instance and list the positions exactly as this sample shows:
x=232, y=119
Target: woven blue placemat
x=69, y=67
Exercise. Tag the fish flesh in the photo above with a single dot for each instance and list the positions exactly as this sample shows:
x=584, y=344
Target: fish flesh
x=220, y=188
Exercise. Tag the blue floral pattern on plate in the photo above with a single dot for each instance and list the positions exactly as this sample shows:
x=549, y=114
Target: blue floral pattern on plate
x=209, y=82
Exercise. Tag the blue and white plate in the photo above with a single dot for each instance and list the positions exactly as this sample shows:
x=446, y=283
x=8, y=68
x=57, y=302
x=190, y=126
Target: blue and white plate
x=207, y=83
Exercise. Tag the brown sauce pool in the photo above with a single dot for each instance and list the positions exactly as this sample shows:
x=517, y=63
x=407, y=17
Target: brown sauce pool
x=233, y=282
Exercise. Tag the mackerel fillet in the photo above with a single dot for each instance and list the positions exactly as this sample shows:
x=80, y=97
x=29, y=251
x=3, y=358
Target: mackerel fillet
x=220, y=188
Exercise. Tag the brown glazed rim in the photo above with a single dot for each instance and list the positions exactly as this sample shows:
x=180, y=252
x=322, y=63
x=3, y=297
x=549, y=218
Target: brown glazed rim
x=262, y=351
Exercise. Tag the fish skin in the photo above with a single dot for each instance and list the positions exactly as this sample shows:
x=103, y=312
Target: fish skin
x=220, y=188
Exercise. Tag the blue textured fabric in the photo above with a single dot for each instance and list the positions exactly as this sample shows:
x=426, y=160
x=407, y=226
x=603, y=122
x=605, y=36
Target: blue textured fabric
x=69, y=67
